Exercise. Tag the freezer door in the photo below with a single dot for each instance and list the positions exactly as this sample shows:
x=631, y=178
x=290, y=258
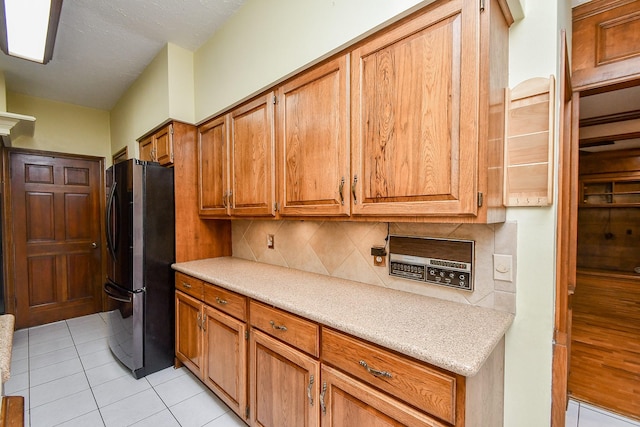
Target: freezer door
x=126, y=334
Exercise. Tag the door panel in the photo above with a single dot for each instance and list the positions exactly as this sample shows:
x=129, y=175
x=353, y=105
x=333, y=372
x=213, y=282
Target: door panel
x=57, y=232
x=252, y=158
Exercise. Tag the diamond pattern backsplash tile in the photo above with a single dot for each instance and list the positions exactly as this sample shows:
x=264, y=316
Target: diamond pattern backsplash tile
x=343, y=249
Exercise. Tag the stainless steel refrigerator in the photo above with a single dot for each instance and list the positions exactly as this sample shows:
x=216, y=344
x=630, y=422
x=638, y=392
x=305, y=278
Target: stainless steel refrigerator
x=141, y=247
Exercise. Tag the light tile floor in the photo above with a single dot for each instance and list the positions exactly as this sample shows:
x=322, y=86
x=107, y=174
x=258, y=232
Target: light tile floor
x=68, y=377
x=584, y=415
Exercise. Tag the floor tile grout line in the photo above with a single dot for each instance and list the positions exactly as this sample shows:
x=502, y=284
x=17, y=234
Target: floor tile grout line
x=84, y=371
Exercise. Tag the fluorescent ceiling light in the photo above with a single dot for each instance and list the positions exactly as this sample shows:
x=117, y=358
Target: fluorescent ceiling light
x=30, y=27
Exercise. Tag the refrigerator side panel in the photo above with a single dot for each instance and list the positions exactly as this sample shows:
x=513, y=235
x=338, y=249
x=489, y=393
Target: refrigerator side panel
x=159, y=254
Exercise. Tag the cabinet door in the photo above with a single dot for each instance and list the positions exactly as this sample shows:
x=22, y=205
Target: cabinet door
x=147, y=149
x=252, y=158
x=164, y=145
x=414, y=115
x=189, y=332
x=284, y=384
x=212, y=168
x=226, y=359
x=313, y=138
x=346, y=402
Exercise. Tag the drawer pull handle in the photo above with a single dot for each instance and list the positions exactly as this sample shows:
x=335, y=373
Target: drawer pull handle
x=221, y=301
x=204, y=322
x=309, y=390
x=277, y=327
x=341, y=191
x=199, y=320
x=323, y=406
x=375, y=372
x=186, y=285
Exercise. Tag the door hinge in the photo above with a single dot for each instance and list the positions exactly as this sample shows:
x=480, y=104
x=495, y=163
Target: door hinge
x=482, y=5
x=480, y=199
x=246, y=412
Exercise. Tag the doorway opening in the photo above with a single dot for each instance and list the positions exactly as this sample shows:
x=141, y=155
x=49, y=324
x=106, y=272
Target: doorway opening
x=605, y=333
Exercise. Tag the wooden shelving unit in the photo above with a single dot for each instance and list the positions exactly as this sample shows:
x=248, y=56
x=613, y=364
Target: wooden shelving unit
x=609, y=193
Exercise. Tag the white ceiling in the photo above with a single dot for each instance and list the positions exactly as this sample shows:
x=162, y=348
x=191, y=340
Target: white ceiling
x=103, y=45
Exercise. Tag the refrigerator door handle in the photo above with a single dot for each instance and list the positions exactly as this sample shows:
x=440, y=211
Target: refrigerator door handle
x=115, y=294
x=110, y=231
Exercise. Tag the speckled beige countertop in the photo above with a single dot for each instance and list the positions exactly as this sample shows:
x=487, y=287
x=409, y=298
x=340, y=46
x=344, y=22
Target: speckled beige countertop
x=450, y=335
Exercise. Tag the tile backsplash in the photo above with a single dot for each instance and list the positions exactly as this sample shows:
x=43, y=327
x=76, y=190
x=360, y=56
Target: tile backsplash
x=343, y=249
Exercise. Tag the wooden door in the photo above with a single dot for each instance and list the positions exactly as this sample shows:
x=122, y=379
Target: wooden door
x=226, y=359
x=189, y=332
x=566, y=244
x=414, y=116
x=346, y=402
x=313, y=138
x=252, y=158
x=283, y=383
x=164, y=145
x=147, y=151
x=213, y=180
x=56, y=216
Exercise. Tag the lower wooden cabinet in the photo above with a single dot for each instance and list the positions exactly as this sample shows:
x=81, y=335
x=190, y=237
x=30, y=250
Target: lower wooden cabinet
x=225, y=362
x=283, y=384
x=212, y=345
x=346, y=402
x=189, y=332
x=277, y=369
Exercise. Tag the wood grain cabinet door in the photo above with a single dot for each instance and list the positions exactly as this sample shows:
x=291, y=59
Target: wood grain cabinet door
x=226, y=359
x=313, y=138
x=414, y=115
x=284, y=384
x=346, y=402
x=164, y=145
x=147, y=150
x=213, y=180
x=252, y=134
x=189, y=346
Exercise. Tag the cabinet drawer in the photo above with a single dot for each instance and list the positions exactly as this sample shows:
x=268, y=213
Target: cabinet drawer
x=300, y=333
x=428, y=389
x=190, y=285
x=226, y=301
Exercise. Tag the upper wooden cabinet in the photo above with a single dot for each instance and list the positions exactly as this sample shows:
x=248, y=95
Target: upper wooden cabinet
x=158, y=147
x=407, y=124
x=252, y=151
x=418, y=93
x=236, y=161
x=606, y=43
x=213, y=176
x=313, y=142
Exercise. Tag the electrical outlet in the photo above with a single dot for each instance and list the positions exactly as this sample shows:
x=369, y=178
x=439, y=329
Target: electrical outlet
x=270, y=241
x=379, y=261
x=503, y=267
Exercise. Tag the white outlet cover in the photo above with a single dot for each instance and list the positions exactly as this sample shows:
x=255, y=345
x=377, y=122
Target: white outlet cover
x=503, y=267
